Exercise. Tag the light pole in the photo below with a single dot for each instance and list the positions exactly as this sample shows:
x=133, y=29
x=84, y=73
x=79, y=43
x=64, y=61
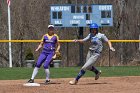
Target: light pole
x=9, y=30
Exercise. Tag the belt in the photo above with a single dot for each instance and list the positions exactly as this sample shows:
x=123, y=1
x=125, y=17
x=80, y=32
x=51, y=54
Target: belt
x=48, y=48
x=95, y=51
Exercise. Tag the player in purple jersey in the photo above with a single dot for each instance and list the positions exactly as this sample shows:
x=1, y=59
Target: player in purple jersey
x=50, y=46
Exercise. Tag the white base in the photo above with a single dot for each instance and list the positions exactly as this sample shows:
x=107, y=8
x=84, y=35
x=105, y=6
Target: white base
x=31, y=84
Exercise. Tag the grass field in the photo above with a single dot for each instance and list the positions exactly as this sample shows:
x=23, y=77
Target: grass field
x=67, y=72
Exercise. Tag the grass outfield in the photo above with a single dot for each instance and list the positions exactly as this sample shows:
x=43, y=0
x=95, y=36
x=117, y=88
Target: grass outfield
x=67, y=72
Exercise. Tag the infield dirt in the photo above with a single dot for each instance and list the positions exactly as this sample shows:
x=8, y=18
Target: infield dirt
x=129, y=84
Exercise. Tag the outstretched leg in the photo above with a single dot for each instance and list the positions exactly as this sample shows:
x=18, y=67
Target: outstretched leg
x=75, y=81
x=35, y=71
x=81, y=73
x=41, y=59
x=92, y=59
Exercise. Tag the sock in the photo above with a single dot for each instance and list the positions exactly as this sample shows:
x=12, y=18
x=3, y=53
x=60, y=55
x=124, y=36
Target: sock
x=47, y=74
x=35, y=72
x=93, y=69
x=81, y=73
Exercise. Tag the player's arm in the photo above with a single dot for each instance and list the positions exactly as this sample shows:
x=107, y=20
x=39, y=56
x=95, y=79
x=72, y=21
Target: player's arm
x=57, y=44
x=80, y=40
x=83, y=40
x=58, y=47
x=40, y=45
x=109, y=43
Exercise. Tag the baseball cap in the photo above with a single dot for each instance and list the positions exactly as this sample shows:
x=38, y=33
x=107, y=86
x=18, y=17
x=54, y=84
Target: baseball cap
x=50, y=26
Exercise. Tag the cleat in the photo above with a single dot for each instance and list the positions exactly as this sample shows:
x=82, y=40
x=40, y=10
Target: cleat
x=31, y=81
x=73, y=82
x=97, y=75
x=47, y=82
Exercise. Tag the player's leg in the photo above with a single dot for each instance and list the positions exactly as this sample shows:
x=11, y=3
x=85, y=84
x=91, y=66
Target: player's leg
x=92, y=59
x=86, y=66
x=89, y=54
x=40, y=60
x=46, y=66
x=96, y=71
x=47, y=71
x=80, y=74
x=92, y=68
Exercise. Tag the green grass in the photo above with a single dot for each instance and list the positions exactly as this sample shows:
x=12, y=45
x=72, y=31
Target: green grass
x=67, y=72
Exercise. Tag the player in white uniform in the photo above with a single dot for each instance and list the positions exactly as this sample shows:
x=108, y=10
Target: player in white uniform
x=94, y=52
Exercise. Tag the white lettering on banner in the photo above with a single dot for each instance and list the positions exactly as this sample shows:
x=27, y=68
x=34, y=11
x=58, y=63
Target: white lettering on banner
x=60, y=8
x=108, y=21
x=78, y=17
x=102, y=21
x=74, y=21
x=88, y=21
x=57, y=22
x=105, y=7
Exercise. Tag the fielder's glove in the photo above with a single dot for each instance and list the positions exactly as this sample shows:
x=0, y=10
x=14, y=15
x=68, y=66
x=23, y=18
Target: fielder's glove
x=56, y=55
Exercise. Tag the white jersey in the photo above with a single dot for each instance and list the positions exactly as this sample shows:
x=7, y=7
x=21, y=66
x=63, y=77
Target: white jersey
x=96, y=41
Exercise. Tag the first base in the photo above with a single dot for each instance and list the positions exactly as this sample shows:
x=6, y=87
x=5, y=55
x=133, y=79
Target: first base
x=31, y=84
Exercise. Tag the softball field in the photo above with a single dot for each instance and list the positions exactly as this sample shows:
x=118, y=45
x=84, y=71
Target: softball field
x=130, y=84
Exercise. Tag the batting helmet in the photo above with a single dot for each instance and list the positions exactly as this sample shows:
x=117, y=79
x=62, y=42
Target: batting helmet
x=93, y=25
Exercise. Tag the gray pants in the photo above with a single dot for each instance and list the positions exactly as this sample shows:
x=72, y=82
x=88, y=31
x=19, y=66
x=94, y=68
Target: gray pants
x=90, y=60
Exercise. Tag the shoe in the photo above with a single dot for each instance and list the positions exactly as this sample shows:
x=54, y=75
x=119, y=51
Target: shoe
x=47, y=82
x=31, y=81
x=73, y=82
x=97, y=75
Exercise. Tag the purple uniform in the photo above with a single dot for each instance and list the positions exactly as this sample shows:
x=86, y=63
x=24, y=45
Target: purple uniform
x=48, y=50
